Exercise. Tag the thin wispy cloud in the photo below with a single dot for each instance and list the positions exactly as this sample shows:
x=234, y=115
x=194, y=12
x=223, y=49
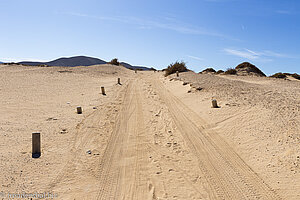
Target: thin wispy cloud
x=165, y=23
x=265, y=55
x=284, y=12
x=117, y=19
x=195, y=57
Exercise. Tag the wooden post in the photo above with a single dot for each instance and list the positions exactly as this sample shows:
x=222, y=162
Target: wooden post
x=214, y=104
x=177, y=73
x=135, y=71
x=36, y=145
x=79, y=110
x=119, y=81
x=103, y=90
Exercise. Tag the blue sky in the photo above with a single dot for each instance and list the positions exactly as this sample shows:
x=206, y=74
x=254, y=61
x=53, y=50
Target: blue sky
x=203, y=33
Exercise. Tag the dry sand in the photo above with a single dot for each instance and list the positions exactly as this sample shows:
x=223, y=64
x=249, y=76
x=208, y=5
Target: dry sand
x=149, y=138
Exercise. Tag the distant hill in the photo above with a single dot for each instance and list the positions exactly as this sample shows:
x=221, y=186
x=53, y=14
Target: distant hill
x=80, y=61
x=1, y=62
x=128, y=66
x=69, y=62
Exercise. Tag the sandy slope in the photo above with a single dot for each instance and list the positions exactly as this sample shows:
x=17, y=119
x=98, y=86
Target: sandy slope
x=259, y=118
x=148, y=138
x=45, y=100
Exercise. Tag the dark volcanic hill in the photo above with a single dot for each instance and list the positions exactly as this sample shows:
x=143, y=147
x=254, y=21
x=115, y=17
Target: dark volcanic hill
x=69, y=62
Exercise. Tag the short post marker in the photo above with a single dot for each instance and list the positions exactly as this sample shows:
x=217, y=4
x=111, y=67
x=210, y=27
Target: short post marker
x=214, y=103
x=36, y=145
x=103, y=90
x=79, y=110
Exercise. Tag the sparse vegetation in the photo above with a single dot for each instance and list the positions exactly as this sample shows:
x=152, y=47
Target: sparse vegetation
x=177, y=66
x=248, y=67
x=279, y=75
x=209, y=70
x=114, y=61
x=220, y=71
x=230, y=71
x=284, y=75
x=296, y=76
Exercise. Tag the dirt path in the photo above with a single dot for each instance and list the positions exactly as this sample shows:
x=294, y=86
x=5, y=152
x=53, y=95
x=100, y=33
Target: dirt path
x=124, y=158
x=138, y=144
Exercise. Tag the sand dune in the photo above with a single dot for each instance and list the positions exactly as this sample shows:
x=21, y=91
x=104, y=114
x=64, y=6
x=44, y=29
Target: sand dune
x=149, y=138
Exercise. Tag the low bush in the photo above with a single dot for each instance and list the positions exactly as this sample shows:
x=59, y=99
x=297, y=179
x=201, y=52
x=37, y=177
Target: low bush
x=177, y=66
x=230, y=71
x=249, y=68
x=296, y=76
x=211, y=70
x=220, y=71
x=114, y=62
x=278, y=75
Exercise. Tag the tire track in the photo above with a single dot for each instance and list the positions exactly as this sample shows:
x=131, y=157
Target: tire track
x=124, y=157
x=228, y=175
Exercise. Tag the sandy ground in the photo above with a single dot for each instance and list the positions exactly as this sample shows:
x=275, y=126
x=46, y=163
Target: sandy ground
x=151, y=137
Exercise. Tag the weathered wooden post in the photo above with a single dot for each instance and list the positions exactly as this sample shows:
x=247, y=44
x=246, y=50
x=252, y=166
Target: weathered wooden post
x=103, y=90
x=36, y=145
x=119, y=81
x=135, y=71
x=214, y=103
x=79, y=110
x=177, y=73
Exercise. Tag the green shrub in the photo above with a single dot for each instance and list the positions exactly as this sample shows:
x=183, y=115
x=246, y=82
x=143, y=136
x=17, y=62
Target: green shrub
x=230, y=71
x=278, y=75
x=114, y=62
x=177, y=66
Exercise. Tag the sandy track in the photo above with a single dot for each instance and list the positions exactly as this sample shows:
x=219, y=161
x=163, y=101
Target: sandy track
x=228, y=175
x=127, y=162
x=120, y=172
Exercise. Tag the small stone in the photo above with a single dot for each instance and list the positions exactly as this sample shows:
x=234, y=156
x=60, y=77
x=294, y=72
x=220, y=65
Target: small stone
x=63, y=131
x=89, y=152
